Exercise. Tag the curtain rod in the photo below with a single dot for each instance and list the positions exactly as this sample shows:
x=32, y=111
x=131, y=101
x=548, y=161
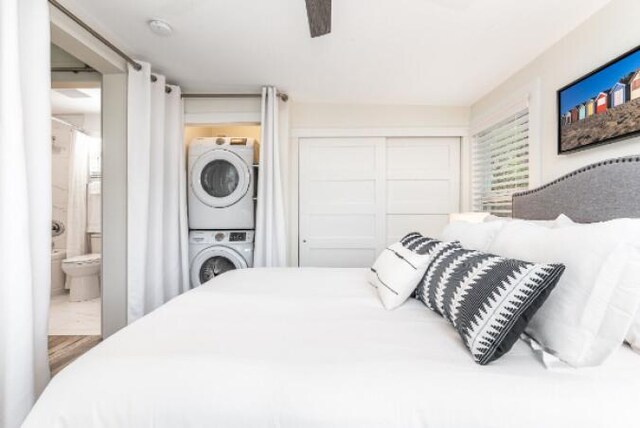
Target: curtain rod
x=85, y=69
x=284, y=97
x=167, y=89
x=69, y=124
x=88, y=69
x=95, y=34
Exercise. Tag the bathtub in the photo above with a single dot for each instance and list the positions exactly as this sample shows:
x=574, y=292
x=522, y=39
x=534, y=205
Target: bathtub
x=57, y=275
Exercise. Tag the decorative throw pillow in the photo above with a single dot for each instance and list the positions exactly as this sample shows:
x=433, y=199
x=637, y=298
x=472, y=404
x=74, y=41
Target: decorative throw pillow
x=487, y=298
x=399, y=268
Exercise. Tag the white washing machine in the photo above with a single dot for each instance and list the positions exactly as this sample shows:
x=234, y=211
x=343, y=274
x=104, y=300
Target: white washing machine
x=221, y=183
x=214, y=252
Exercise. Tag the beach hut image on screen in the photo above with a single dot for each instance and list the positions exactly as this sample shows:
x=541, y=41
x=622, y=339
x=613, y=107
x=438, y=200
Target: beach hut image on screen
x=634, y=85
x=602, y=102
x=574, y=114
x=566, y=118
x=590, y=107
x=619, y=94
x=582, y=111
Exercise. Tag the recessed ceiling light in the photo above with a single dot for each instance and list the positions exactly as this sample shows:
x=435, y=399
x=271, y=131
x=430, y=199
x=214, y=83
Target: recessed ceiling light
x=160, y=27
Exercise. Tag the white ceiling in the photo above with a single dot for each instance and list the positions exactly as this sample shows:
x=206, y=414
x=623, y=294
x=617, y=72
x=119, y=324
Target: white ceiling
x=433, y=52
x=70, y=101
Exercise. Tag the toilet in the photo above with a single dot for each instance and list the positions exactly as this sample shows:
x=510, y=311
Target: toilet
x=83, y=272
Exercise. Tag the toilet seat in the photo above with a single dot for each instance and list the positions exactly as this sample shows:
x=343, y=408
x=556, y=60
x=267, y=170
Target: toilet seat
x=85, y=259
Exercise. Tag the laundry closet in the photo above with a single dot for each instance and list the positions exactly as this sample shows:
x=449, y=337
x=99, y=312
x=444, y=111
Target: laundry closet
x=222, y=172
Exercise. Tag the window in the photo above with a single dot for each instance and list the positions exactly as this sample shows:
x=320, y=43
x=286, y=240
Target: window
x=500, y=164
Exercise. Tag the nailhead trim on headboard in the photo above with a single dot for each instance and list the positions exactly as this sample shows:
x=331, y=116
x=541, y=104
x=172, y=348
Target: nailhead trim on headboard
x=579, y=171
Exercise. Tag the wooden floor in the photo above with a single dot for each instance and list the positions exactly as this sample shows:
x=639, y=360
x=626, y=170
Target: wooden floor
x=64, y=349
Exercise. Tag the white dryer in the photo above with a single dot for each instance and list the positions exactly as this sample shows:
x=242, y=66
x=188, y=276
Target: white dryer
x=221, y=183
x=214, y=252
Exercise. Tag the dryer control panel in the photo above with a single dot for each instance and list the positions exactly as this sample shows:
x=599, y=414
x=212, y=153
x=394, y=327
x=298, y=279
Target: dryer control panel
x=237, y=236
x=220, y=236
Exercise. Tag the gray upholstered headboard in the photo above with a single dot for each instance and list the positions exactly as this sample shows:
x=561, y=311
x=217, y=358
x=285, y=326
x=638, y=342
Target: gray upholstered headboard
x=599, y=192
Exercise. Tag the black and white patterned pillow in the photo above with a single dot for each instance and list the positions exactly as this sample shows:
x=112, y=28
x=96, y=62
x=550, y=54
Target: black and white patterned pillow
x=487, y=298
x=400, y=267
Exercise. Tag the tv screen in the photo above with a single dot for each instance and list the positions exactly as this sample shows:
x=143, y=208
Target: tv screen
x=601, y=107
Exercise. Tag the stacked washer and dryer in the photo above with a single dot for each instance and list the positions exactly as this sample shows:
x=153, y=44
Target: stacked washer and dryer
x=221, y=202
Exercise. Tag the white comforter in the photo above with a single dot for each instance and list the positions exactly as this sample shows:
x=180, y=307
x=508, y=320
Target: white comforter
x=314, y=348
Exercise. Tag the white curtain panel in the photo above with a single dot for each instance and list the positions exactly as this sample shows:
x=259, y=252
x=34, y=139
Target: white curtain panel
x=157, y=237
x=77, y=195
x=271, y=237
x=25, y=205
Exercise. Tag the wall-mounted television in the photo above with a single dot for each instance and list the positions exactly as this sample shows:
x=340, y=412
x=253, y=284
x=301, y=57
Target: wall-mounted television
x=601, y=107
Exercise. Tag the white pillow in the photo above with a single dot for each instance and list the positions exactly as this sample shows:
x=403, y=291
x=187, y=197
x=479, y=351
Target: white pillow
x=633, y=335
x=472, y=236
x=479, y=236
x=400, y=267
x=561, y=221
x=588, y=314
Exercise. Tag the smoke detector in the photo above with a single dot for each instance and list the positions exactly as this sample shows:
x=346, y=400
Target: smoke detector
x=160, y=27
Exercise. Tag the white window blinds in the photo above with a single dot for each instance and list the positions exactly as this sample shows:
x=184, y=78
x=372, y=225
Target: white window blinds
x=500, y=164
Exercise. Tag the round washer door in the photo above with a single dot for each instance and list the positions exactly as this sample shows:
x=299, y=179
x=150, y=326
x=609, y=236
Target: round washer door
x=220, y=178
x=215, y=261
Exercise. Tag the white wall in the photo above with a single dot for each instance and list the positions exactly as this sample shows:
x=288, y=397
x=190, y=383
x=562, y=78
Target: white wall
x=310, y=115
x=606, y=35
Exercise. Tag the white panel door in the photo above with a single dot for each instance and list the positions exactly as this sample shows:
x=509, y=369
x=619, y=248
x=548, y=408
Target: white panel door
x=423, y=185
x=359, y=194
x=341, y=201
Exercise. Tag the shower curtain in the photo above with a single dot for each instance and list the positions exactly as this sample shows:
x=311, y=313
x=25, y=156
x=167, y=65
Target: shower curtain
x=271, y=234
x=77, y=195
x=25, y=205
x=157, y=237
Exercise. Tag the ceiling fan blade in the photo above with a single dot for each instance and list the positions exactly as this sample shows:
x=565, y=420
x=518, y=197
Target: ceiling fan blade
x=319, y=14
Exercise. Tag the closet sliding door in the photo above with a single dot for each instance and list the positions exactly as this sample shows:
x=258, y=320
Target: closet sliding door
x=422, y=185
x=341, y=201
x=359, y=194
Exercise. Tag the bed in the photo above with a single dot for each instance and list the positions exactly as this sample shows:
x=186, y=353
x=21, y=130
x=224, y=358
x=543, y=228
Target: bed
x=314, y=348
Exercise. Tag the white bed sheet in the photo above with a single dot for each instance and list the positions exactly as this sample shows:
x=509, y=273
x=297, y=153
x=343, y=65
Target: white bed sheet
x=314, y=348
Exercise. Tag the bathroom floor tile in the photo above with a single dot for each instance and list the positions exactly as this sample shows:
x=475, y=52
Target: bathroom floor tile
x=74, y=318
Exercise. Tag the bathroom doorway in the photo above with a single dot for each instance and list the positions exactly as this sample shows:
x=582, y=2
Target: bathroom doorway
x=75, y=309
